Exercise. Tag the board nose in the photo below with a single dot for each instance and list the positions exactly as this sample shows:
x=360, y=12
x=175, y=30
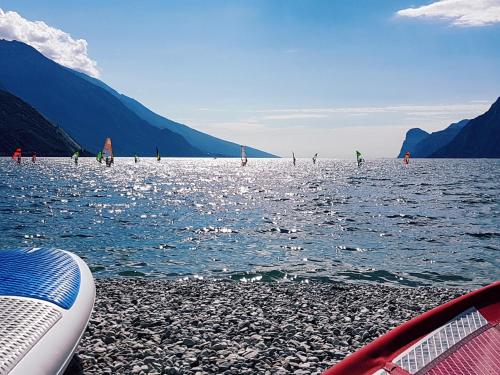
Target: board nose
x=47, y=274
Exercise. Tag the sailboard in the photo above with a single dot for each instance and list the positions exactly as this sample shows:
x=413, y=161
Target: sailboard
x=293, y=158
x=459, y=337
x=75, y=156
x=158, y=156
x=107, y=152
x=244, y=159
x=17, y=155
x=406, y=159
x=359, y=158
x=46, y=298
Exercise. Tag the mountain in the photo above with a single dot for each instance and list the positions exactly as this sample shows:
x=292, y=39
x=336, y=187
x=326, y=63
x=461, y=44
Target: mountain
x=22, y=126
x=480, y=138
x=205, y=142
x=86, y=111
x=89, y=110
x=413, y=137
x=434, y=141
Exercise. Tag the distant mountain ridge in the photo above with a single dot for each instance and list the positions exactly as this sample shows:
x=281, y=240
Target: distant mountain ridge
x=476, y=138
x=22, y=126
x=90, y=111
x=422, y=144
x=87, y=112
x=438, y=139
x=480, y=138
x=413, y=137
x=211, y=145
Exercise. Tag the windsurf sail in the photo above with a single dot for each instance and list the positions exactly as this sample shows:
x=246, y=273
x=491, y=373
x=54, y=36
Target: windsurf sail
x=17, y=155
x=136, y=158
x=315, y=157
x=107, y=151
x=99, y=157
x=406, y=159
x=359, y=158
x=244, y=159
x=294, y=160
x=158, y=156
x=75, y=156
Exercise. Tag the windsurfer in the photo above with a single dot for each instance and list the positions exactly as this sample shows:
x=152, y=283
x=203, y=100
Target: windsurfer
x=294, y=160
x=17, y=155
x=244, y=159
x=406, y=159
x=33, y=157
x=359, y=158
x=315, y=157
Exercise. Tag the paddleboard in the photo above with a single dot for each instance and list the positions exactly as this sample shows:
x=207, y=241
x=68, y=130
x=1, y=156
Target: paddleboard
x=459, y=337
x=46, y=299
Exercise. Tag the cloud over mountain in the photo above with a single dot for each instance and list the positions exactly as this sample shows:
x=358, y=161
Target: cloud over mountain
x=54, y=43
x=460, y=12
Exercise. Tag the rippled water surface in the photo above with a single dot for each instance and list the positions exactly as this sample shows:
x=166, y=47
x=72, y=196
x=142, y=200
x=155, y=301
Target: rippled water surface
x=431, y=222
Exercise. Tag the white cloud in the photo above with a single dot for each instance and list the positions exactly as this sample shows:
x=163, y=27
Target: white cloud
x=53, y=43
x=422, y=110
x=294, y=116
x=460, y=12
x=474, y=106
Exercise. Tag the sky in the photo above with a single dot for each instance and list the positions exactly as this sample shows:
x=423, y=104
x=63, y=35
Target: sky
x=326, y=76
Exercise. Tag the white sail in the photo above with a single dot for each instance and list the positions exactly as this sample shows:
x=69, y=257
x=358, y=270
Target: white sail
x=244, y=158
x=108, y=152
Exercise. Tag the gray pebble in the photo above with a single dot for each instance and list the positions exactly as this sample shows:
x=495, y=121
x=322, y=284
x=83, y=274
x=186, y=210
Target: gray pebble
x=199, y=327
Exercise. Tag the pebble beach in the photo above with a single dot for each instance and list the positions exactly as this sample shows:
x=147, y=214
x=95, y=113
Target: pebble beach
x=142, y=326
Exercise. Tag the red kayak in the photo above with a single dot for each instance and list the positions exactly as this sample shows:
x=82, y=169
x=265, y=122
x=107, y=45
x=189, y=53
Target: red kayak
x=459, y=337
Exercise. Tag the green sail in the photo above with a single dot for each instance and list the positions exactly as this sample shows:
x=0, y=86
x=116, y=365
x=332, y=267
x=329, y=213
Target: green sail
x=359, y=158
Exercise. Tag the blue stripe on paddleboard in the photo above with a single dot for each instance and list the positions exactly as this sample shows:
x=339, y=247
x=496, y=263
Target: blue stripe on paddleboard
x=47, y=274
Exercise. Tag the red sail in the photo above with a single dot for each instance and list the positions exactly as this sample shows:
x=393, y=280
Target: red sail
x=406, y=159
x=16, y=153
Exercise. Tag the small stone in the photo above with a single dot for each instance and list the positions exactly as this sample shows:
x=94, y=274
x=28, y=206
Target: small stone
x=188, y=342
x=219, y=346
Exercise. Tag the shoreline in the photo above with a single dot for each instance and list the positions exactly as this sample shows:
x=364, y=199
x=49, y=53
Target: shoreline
x=224, y=327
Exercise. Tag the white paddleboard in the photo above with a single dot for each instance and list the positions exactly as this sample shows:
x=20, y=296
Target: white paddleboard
x=46, y=299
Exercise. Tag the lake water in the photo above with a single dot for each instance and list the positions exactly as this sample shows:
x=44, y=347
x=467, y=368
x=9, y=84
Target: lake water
x=431, y=222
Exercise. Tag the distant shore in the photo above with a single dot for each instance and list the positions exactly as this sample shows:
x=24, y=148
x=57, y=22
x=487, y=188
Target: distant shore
x=220, y=327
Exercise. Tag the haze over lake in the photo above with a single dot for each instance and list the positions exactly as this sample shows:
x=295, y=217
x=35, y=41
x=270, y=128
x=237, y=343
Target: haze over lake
x=433, y=222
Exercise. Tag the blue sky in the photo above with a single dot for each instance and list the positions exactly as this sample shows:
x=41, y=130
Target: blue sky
x=310, y=76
